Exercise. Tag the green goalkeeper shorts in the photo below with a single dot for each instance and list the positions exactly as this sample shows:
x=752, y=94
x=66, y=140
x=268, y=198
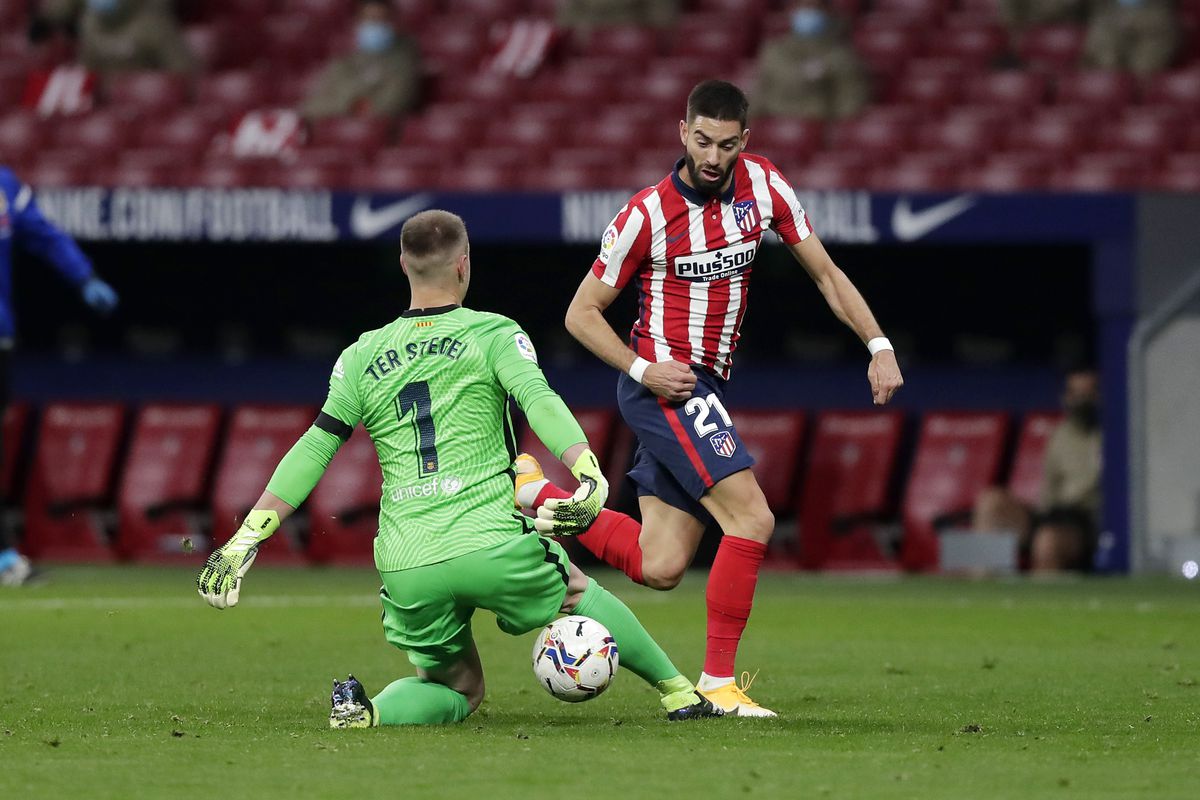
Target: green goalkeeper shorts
x=427, y=610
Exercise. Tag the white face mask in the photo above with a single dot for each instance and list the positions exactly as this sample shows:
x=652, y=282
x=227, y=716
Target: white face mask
x=808, y=21
x=374, y=37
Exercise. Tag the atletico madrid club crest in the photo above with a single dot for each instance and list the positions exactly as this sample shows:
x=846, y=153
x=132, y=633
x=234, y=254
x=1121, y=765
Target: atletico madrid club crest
x=724, y=444
x=746, y=215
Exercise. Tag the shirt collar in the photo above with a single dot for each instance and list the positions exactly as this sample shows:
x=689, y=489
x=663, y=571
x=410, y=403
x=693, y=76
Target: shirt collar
x=429, y=312
x=693, y=196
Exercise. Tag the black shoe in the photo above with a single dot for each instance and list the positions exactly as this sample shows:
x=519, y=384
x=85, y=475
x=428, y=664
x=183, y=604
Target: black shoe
x=701, y=709
x=351, y=708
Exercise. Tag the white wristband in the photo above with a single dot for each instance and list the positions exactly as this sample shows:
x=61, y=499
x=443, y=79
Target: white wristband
x=638, y=369
x=879, y=343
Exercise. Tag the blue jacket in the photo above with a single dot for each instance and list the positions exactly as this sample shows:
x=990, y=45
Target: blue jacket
x=21, y=223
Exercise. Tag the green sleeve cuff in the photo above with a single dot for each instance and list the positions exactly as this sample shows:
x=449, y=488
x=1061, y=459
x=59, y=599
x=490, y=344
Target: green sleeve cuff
x=303, y=466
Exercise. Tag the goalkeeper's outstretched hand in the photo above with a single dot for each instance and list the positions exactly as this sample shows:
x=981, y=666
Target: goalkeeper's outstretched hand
x=220, y=582
x=573, y=515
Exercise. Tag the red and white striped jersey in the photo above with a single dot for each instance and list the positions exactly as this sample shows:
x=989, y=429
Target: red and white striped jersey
x=692, y=256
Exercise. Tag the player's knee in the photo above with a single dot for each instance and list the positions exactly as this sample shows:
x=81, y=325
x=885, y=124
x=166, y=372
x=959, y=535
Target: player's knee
x=663, y=573
x=756, y=522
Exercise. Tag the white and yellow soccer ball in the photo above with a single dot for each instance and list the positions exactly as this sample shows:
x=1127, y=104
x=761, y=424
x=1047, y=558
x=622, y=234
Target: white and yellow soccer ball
x=575, y=658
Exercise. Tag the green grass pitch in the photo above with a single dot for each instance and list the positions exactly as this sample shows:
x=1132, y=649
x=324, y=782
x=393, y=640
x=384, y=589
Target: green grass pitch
x=121, y=683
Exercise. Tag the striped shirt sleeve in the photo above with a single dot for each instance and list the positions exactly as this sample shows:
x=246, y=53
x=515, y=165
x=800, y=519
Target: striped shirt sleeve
x=789, y=219
x=625, y=246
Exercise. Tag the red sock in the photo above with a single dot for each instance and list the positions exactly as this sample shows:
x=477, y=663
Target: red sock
x=730, y=595
x=613, y=538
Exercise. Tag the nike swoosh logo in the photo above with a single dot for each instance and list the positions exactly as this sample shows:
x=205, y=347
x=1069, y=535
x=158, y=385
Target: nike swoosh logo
x=367, y=222
x=909, y=225
x=672, y=239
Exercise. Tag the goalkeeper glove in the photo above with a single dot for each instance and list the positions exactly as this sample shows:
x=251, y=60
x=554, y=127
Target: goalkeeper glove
x=220, y=582
x=573, y=515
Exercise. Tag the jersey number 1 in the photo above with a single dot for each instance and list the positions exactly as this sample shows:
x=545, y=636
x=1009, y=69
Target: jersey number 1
x=414, y=397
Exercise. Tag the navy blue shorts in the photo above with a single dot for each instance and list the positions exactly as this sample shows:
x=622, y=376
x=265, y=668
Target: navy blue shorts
x=683, y=448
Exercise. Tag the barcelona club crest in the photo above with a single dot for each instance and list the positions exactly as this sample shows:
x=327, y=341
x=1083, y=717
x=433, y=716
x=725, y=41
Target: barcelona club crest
x=724, y=444
x=745, y=214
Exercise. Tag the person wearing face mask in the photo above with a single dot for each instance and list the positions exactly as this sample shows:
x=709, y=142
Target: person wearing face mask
x=813, y=72
x=1139, y=36
x=122, y=35
x=1061, y=533
x=380, y=78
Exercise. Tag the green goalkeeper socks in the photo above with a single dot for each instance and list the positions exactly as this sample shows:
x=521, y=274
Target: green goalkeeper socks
x=415, y=701
x=638, y=650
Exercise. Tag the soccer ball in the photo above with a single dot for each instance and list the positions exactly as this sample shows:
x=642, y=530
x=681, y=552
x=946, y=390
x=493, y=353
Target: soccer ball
x=575, y=658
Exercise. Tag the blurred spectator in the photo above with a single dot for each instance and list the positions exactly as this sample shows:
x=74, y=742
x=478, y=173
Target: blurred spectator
x=1141, y=36
x=1019, y=15
x=813, y=72
x=583, y=15
x=381, y=77
x=117, y=35
x=1062, y=534
x=22, y=225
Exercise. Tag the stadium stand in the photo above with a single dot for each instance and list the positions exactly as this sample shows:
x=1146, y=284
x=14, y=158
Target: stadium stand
x=929, y=59
x=1026, y=476
x=343, y=509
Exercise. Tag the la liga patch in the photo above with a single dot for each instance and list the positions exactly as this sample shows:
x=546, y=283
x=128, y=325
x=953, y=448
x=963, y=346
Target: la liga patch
x=525, y=347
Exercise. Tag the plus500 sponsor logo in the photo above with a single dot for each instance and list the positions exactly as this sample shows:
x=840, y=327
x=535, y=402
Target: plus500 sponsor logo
x=716, y=264
x=437, y=485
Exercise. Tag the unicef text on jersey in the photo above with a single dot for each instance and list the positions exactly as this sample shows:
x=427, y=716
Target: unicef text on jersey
x=716, y=264
x=435, y=486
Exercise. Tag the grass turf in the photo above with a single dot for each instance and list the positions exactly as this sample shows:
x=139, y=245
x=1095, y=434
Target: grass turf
x=120, y=683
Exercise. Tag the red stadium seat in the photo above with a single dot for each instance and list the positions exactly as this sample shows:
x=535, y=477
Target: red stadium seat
x=1025, y=478
x=786, y=138
x=45, y=174
x=477, y=178
x=71, y=481
x=973, y=48
x=235, y=92
x=1180, y=89
x=216, y=45
x=163, y=487
x=1050, y=133
x=669, y=88
x=751, y=9
x=135, y=175
x=489, y=10
x=343, y=510
x=927, y=11
x=1142, y=133
x=219, y=174
x=912, y=176
x=729, y=36
x=294, y=41
x=930, y=92
x=608, y=131
x=630, y=44
x=1103, y=90
x=524, y=131
x=578, y=85
x=599, y=426
x=22, y=134
x=1009, y=172
x=188, y=133
x=453, y=45
x=1012, y=89
x=1056, y=47
x=960, y=134
x=885, y=49
x=100, y=134
x=958, y=455
x=310, y=175
x=361, y=134
x=882, y=133
x=256, y=439
x=1176, y=179
x=823, y=173
x=147, y=92
x=1103, y=172
x=15, y=424
x=393, y=177
x=847, y=486
x=450, y=132
x=504, y=156
x=774, y=439
x=565, y=178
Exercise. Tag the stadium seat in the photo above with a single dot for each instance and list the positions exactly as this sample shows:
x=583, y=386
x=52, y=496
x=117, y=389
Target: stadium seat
x=632, y=45
x=147, y=92
x=187, y=133
x=163, y=487
x=846, y=488
x=582, y=86
x=450, y=132
x=363, y=135
x=101, y=133
x=960, y=134
x=667, y=89
x=912, y=176
x=343, y=510
x=1017, y=90
x=1141, y=133
x=22, y=134
x=225, y=174
x=489, y=92
x=608, y=131
x=958, y=455
x=1180, y=89
x=15, y=425
x=294, y=41
x=1100, y=89
x=1009, y=172
x=885, y=48
x=256, y=439
x=393, y=177
x=477, y=178
x=135, y=175
x=751, y=9
x=786, y=138
x=71, y=480
x=565, y=178
x=599, y=426
x=973, y=48
x=235, y=92
x=774, y=440
x=47, y=174
x=1102, y=172
x=879, y=132
x=1050, y=133
x=824, y=173
x=1055, y=47
x=523, y=131
x=1176, y=179
x=732, y=36
x=928, y=12
x=1025, y=477
x=929, y=92
x=453, y=45
x=216, y=45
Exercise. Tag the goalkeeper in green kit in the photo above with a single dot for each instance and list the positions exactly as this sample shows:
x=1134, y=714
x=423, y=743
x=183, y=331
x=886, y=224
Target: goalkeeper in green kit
x=432, y=390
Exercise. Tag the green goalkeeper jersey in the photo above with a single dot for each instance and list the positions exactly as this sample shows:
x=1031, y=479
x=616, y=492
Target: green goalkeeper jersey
x=432, y=389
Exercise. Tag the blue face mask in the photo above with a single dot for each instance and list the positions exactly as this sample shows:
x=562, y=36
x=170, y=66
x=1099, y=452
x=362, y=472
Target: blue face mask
x=374, y=37
x=808, y=21
x=103, y=6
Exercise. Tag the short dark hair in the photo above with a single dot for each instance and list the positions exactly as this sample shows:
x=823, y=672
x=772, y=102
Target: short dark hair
x=718, y=100
x=432, y=237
